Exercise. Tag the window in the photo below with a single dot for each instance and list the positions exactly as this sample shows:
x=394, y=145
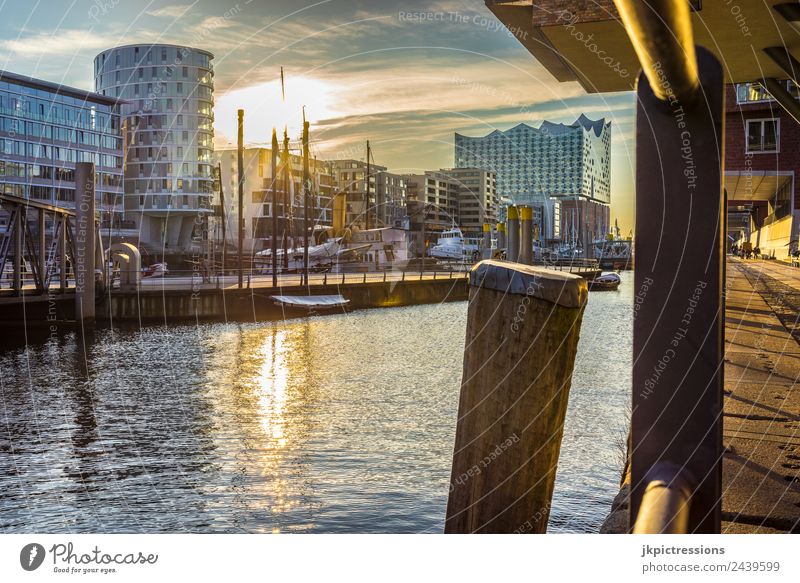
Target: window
x=763, y=135
x=755, y=93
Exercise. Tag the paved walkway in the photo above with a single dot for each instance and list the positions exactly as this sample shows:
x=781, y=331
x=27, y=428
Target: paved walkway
x=761, y=468
x=761, y=428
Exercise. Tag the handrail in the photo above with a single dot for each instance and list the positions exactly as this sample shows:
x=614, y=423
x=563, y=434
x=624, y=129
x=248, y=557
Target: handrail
x=665, y=503
x=661, y=34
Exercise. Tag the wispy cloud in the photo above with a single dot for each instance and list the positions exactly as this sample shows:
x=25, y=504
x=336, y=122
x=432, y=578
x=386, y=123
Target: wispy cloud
x=66, y=42
x=172, y=11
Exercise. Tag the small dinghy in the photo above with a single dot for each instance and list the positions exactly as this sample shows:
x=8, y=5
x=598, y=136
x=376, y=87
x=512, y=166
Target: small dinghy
x=607, y=282
x=311, y=302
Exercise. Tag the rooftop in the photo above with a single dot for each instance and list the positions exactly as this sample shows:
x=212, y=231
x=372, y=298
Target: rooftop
x=34, y=83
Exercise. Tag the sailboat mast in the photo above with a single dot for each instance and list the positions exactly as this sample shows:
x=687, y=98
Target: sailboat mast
x=286, y=202
x=240, y=218
x=306, y=199
x=274, y=170
x=366, y=196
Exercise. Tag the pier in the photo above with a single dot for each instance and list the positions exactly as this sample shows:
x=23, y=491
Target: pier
x=188, y=298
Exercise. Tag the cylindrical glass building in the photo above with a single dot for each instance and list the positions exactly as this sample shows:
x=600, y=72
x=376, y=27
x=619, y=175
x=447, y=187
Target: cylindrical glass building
x=168, y=128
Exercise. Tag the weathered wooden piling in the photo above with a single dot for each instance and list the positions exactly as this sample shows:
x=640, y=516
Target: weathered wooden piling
x=522, y=335
x=512, y=219
x=85, y=241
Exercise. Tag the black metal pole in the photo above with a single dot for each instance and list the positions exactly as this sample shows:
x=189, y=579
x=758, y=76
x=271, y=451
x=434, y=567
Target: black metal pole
x=274, y=176
x=676, y=425
x=678, y=332
x=241, y=194
x=306, y=202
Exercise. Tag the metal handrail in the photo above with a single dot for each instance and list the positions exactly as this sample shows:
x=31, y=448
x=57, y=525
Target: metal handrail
x=665, y=503
x=661, y=34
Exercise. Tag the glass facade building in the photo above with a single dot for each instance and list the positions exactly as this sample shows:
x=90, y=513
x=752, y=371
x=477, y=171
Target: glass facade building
x=45, y=128
x=553, y=160
x=168, y=110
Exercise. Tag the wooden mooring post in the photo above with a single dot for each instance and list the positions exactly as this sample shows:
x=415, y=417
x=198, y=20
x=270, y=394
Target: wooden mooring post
x=522, y=335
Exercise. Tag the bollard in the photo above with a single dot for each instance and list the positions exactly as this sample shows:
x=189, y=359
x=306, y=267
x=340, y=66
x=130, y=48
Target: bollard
x=523, y=325
x=501, y=236
x=487, y=241
x=512, y=250
x=526, y=235
x=85, y=239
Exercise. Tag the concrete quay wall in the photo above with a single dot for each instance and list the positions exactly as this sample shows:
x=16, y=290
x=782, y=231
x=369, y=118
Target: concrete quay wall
x=256, y=304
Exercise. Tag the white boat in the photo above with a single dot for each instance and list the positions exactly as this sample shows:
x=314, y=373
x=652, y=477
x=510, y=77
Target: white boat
x=454, y=246
x=311, y=302
x=373, y=249
x=155, y=270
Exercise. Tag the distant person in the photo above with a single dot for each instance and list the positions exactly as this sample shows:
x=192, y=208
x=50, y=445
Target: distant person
x=757, y=252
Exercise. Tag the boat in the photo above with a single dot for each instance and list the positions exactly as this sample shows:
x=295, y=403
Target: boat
x=452, y=245
x=310, y=303
x=363, y=250
x=614, y=252
x=606, y=282
x=155, y=270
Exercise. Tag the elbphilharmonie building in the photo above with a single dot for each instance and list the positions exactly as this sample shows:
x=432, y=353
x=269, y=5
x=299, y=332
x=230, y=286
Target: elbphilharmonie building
x=564, y=168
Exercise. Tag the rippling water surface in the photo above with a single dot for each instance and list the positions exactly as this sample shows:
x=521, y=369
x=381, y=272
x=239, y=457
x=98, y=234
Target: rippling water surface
x=336, y=424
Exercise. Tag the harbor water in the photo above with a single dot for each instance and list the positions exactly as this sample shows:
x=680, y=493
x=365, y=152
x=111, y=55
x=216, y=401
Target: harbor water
x=343, y=423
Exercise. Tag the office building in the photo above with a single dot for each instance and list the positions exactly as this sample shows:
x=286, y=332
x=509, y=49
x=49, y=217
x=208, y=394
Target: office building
x=45, y=128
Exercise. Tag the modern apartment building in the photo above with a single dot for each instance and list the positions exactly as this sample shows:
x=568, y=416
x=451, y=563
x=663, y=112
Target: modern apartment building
x=391, y=199
x=45, y=128
x=438, y=193
x=477, y=197
x=258, y=198
x=348, y=176
x=168, y=110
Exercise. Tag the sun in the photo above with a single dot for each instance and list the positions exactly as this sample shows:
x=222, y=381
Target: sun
x=265, y=108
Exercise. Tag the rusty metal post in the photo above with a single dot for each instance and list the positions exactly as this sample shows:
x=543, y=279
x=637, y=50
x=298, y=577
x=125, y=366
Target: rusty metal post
x=42, y=250
x=19, y=243
x=678, y=327
x=512, y=220
x=85, y=239
x=62, y=251
x=526, y=235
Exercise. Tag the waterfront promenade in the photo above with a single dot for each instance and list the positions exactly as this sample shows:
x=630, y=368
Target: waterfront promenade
x=761, y=468
x=761, y=426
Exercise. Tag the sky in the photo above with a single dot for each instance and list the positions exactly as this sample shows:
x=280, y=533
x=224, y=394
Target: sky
x=404, y=75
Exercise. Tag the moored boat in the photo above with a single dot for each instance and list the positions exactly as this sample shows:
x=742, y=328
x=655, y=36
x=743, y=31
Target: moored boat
x=606, y=282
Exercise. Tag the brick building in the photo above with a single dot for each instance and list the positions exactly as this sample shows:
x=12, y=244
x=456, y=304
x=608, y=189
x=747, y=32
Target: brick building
x=762, y=151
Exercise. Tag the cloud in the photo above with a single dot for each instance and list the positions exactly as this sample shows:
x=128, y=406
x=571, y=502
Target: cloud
x=65, y=42
x=173, y=11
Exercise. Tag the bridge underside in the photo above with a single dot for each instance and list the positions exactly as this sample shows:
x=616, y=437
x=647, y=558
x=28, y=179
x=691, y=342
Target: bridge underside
x=761, y=211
